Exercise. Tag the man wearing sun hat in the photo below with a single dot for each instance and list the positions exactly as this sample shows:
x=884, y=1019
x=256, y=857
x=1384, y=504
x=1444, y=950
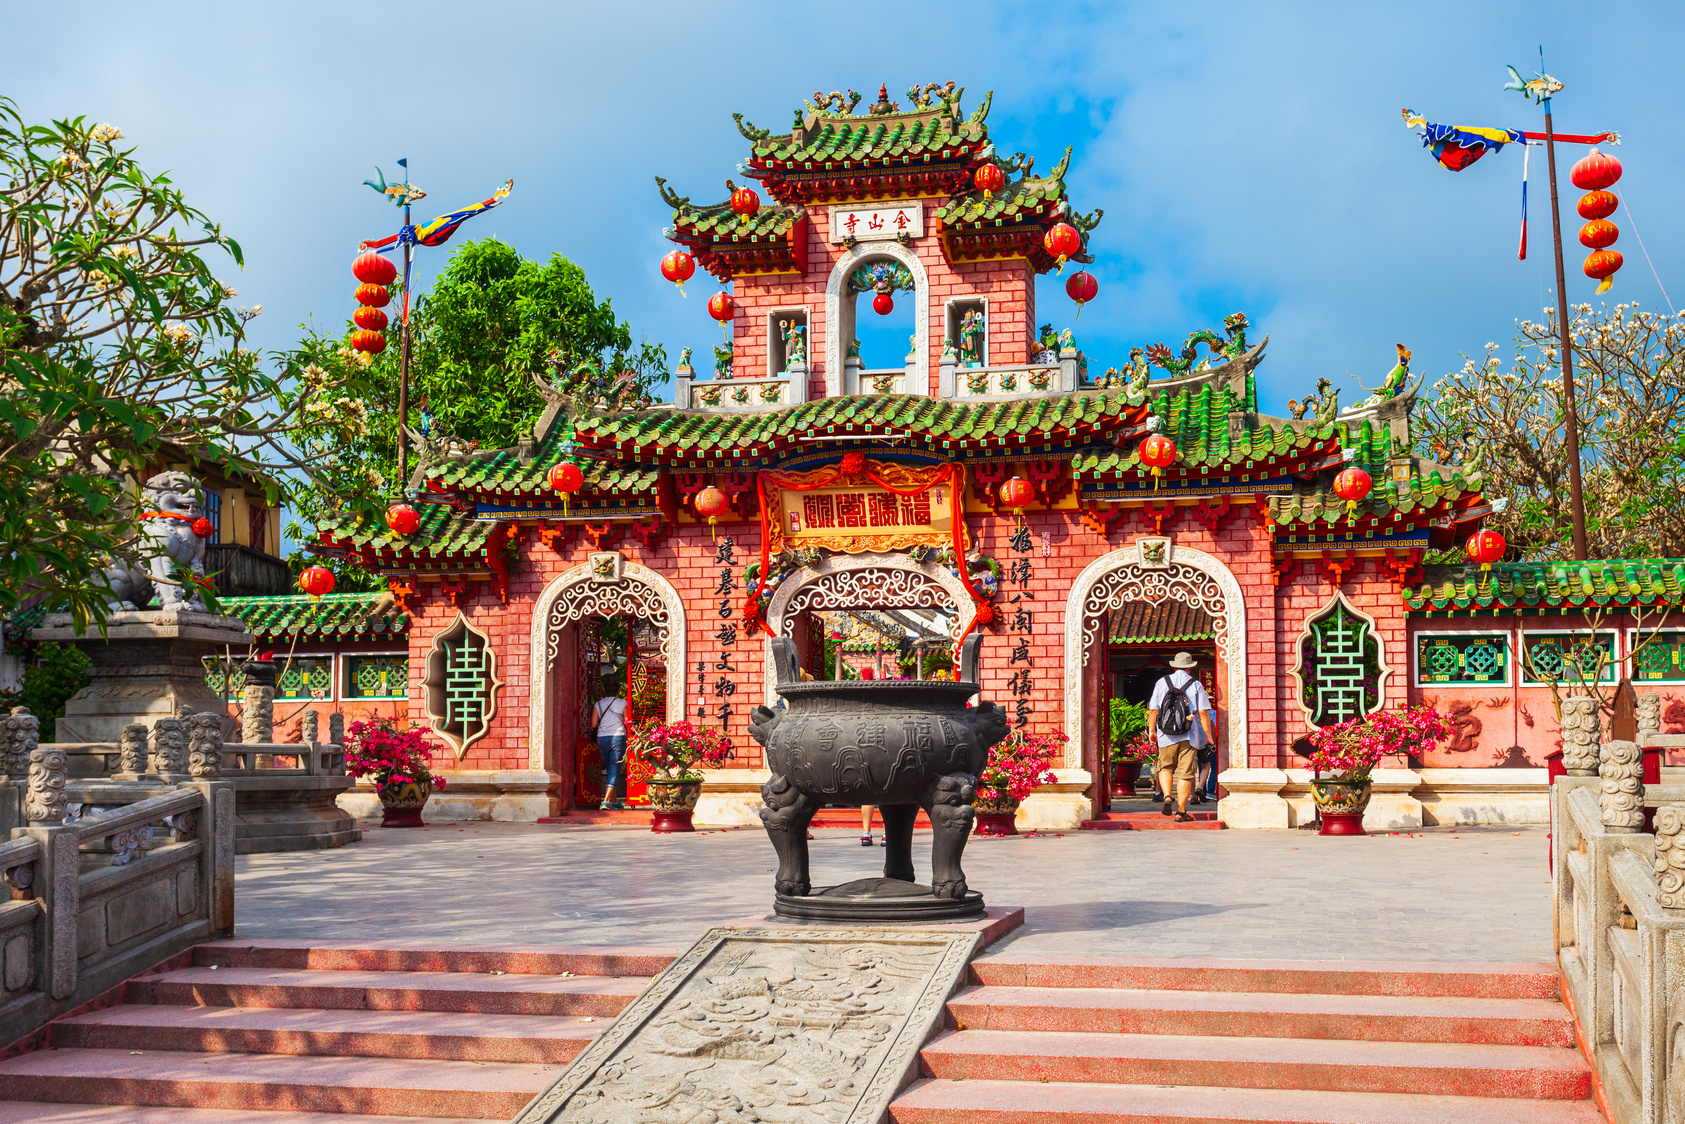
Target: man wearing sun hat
x=1180, y=712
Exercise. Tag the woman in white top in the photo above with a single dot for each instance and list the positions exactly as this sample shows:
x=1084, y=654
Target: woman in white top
x=608, y=718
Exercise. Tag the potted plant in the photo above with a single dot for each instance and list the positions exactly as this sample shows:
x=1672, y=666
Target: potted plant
x=666, y=757
x=1016, y=767
x=1130, y=745
x=394, y=761
x=1347, y=751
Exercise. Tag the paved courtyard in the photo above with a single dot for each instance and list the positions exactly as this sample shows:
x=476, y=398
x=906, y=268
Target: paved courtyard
x=1439, y=895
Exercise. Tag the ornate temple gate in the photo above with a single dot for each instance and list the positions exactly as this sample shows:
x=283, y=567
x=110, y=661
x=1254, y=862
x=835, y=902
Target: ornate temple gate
x=1152, y=570
x=605, y=588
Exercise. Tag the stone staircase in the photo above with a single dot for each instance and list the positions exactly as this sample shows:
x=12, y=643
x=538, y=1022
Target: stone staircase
x=1065, y=1041
x=304, y=1033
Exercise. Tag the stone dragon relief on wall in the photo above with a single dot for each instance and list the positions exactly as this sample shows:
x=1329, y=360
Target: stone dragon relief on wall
x=758, y=1026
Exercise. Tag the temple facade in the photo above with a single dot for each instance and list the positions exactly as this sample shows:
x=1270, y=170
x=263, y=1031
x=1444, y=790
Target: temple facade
x=992, y=483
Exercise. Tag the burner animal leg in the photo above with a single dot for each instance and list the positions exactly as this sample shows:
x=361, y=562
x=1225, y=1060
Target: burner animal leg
x=785, y=812
x=898, y=841
x=947, y=800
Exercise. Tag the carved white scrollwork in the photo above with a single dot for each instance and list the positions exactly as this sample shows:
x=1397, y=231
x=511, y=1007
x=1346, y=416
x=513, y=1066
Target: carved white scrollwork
x=1175, y=582
x=607, y=600
x=875, y=588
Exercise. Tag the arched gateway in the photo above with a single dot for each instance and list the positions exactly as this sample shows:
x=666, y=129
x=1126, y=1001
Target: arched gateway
x=1154, y=570
x=607, y=586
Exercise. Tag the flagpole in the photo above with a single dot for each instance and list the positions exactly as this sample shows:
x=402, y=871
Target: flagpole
x=1576, y=498
x=404, y=362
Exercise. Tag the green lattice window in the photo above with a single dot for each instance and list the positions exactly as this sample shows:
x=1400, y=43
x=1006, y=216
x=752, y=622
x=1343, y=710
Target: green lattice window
x=1658, y=659
x=1462, y=660
x=1568, y=658
x=305, y=677
x=460, y=685
x=217, y=678
x=377, y=677
x=1340, y=666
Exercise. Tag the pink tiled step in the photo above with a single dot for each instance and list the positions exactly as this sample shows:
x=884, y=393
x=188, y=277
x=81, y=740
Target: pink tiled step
x=472, y=1090
x=1508, y=1022
x=392, y=956
x=389, y=991
x=1007, y=1102
x=1260, y=1063
x=1153, y=821
x=1305, y=977
x=40, y=1112
x=546, y=1040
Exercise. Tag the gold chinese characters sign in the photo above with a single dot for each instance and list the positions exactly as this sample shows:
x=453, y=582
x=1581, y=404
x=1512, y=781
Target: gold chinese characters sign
x=851, y=515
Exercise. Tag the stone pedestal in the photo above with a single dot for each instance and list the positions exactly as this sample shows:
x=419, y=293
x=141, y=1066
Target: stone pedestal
x=148, y=665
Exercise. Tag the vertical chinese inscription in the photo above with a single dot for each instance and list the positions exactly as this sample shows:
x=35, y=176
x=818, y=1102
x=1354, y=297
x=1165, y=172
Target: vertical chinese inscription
x=1020, y=623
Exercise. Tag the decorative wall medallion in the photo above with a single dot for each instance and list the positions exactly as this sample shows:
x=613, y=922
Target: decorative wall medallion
x=609, y=566
x=459, y=689
x=767, y=1025
x=1155, y=554
x=1341, y=670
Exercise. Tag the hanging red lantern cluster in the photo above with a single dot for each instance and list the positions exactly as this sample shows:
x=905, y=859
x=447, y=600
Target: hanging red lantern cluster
x=1063, y=242
x=1595, y=173
x=1081, y=288
x=678, y=267
x=403, y=519
x=316, y=581
x=722, y=308
x=710, y=504
x=989, y=179
x=375, y=272
x=1351, y=485
x=1158, y=453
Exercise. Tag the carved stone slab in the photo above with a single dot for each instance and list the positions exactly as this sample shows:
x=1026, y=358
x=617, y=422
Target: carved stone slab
x=821, y=1025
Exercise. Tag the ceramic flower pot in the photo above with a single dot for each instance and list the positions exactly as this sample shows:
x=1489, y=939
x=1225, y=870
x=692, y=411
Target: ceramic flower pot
x=1124, y=776
x=673, y=802
x=1340, y=803
x=995, y=817
x=401, y=804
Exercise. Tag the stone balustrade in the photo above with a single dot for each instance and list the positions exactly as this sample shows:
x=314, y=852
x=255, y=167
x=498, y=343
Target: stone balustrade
x=1015, y=380
x=1619, y=923
x=787, y=389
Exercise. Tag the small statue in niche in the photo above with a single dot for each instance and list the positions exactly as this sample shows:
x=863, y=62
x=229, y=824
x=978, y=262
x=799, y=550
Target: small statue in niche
x=684, y=359
x=971, y=338
x=947, y=347
x=795, y=343
x=723, y=354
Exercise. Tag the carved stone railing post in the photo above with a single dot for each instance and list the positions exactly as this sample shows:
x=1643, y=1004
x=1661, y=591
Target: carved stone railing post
x=204, y=744
x=1580, y=735
x=1670, y=858
x=132, y=742
x=308, y=726
x=49, y=770
x=1621, y=791
x=257, y=702
x=169, y=749
x=20, y=734
x=1649, y=716
x=336, y=727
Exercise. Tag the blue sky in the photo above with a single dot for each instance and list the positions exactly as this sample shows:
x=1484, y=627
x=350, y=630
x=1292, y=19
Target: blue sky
x=1247, y=156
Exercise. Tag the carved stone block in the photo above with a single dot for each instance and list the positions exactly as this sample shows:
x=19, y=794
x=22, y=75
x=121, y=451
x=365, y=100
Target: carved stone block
x=308, y=724
x=1620, y=798
x=1580, y=735
x=132, y=742
x=819, y=1025
x=204, y=746
x=257, y=713
x=1670, y=856
x=44, y=803
x=169, y=746
x=1649, y=716
x=21, y=733
x=336, y=728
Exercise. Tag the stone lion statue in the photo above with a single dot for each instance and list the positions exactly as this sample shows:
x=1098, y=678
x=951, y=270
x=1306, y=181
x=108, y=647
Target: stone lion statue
x=167, y=546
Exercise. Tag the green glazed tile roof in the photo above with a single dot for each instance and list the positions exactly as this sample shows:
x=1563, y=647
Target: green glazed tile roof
x=444, y=531
x=719, y=223
x=369, y=616
x=503, y=474
x=1022, y=200
x=1197, y=420
x=1563, y=586
x=1140, y=622
x=892, y=138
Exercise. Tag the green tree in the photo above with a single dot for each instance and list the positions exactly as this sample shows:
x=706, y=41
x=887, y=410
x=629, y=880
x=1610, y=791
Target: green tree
x=493, y=323
x=117, y=341
x=1506, y=420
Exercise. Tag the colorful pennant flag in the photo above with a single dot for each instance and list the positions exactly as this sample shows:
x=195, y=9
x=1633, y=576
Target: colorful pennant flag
x=439, y=231
x=1458, y=146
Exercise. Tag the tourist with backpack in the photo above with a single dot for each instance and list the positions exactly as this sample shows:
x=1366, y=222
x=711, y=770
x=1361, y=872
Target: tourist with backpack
x=1180, y=712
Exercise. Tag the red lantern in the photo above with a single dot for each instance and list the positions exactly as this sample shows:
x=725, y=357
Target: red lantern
x=1016, y=494
x=566, y=477
x=1603, y=264
x=375, y=296
x=1351, y=485
x=1598, y=204
x=1063, y=242
x=316, y=581
x=372, y=342
x=403, y=519
x=721, y=308
x=1595, y=171
x=678, y=267
x=1599, y=233
x=710, y=504
x=1485, y=547
x=745, y=203
x=1158, y=452
x=989, y=179
x=883, y=304
x=374, y=269
x=203, y=528
x=1081, y=288
x=370, y=318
